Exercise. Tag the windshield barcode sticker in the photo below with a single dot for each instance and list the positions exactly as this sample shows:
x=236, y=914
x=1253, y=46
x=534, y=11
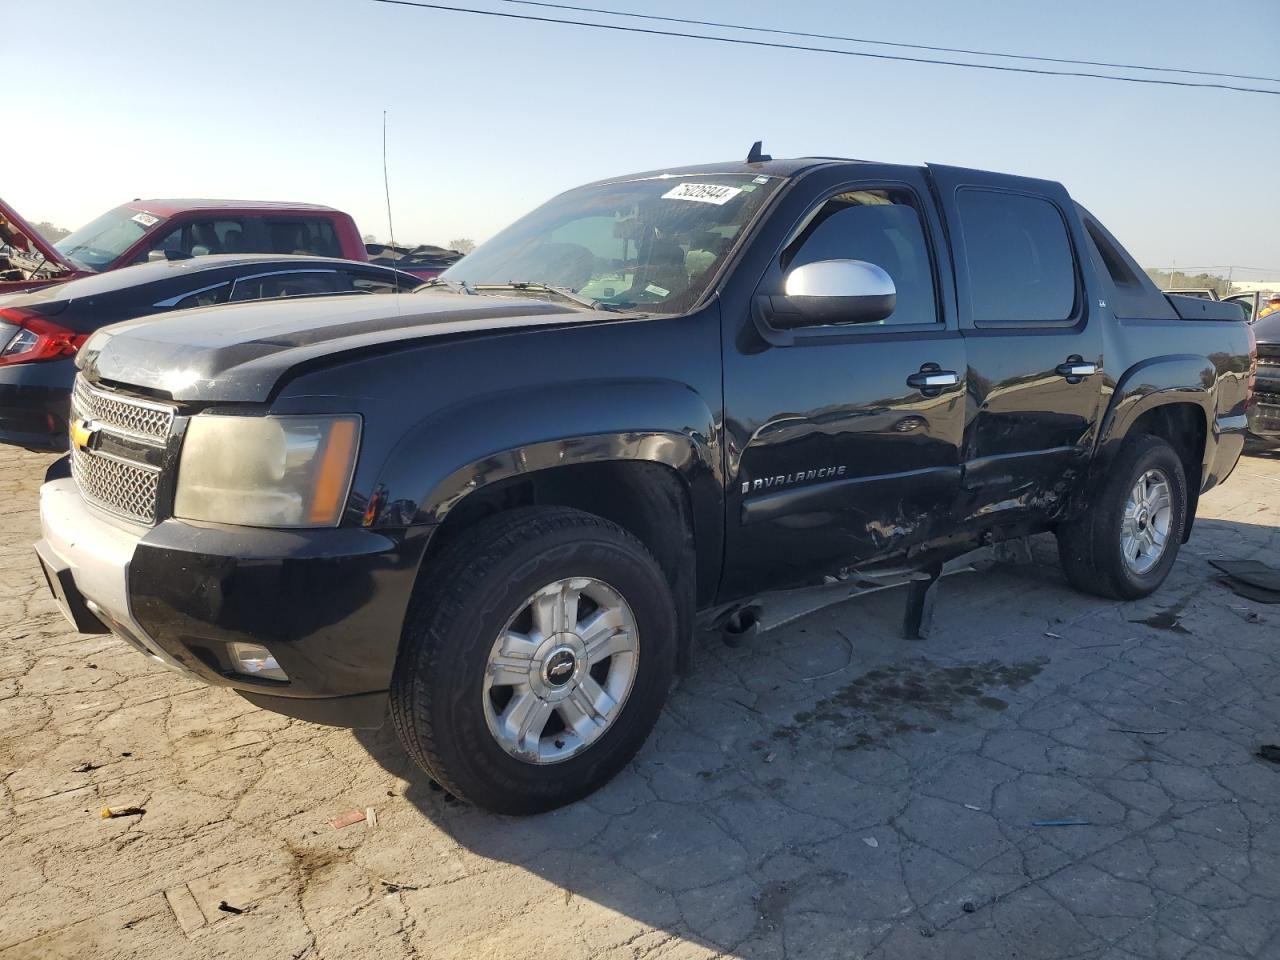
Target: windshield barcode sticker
x=146, y=219
x=702, y=193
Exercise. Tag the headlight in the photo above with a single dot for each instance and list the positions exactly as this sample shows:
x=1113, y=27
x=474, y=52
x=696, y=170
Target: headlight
x=267, y=471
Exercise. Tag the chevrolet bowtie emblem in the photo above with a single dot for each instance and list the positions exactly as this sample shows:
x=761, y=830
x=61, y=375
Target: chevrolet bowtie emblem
x=82, y=432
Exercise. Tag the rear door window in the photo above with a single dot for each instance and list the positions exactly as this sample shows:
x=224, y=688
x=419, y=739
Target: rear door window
x=305, y=235
x=207, y=297
x=1020, y=265
x=308, y=283
x=366, y=281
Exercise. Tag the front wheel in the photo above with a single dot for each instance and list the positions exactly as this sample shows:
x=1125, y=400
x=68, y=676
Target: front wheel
x=1124, y=543
x=535, y=659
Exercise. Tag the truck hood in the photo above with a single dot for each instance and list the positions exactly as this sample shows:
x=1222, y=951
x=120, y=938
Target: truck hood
x=14, y=230
x=239, y=352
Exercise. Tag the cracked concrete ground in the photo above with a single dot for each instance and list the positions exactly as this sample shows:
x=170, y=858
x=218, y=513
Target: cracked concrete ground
x=829, y=790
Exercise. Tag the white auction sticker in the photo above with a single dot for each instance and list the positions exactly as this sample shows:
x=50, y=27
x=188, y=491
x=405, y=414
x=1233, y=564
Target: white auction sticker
x=702, y=193
x=146, y=219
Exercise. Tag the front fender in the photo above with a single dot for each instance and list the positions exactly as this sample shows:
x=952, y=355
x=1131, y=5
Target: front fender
x=461, y=449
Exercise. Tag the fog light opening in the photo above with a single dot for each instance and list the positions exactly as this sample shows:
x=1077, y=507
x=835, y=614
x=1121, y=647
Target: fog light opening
x=255, y=660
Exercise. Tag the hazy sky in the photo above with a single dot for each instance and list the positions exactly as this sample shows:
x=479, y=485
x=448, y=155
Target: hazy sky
x=283, y=99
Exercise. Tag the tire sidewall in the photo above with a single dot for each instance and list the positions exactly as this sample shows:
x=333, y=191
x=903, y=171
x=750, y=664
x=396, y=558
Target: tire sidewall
x=1159, y=456
x=482, y=768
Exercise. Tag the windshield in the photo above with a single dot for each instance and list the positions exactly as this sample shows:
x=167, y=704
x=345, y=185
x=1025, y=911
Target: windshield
x=100, y=243
x=654, y=244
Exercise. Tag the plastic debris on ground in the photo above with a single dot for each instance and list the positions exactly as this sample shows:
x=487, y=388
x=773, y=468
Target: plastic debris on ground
x=1251, y=579
x=112, y=812
x=347, y=819
x=1062, y=823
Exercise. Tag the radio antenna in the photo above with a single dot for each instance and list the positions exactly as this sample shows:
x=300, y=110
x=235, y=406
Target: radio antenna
x=386, y=187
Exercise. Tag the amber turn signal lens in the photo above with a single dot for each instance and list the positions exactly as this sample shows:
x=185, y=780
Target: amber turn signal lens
x=334, y=473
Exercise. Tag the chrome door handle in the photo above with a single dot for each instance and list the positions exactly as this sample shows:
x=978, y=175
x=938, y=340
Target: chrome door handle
x=933, y=379
x=1076, y=369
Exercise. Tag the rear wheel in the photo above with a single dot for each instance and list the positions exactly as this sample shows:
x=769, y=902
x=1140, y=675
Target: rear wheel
x=535, y=659
x=1124, y=543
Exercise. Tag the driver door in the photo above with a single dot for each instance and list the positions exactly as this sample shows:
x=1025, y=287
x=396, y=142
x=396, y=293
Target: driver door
x=844, y=438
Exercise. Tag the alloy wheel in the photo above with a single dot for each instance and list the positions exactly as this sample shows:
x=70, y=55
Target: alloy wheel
x=1148, y=515
x=560, y=671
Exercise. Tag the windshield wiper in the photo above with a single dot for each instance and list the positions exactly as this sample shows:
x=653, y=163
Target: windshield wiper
x=567, y=292
x=453, y=286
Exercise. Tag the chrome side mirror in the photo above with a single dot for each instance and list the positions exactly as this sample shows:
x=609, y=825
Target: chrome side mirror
x=833, y=292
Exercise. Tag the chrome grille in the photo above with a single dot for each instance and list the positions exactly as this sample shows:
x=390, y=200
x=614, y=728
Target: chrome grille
x=115, y=483
x=123, y=414
x=123, y=488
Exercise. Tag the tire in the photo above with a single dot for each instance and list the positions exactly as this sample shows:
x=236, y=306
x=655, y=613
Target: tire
x=470, y=626
x=1092, y=546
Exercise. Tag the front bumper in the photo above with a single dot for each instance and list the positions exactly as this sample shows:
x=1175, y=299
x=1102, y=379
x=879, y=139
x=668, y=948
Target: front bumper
x=329, y=604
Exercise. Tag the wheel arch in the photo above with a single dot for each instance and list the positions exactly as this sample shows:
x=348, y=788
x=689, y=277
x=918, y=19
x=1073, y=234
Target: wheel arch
x=1172, y=398
x=650, y=499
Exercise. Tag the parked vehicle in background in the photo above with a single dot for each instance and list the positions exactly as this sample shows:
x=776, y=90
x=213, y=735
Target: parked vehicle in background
x=1204, y=293
x=1264, y=414
x=143, y=230
x=423, y=261
x=500, y=505
x=1251, y=303
x=41, y=330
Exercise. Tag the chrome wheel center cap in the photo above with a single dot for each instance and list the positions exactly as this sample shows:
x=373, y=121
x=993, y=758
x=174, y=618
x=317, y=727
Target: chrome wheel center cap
x=560, y=667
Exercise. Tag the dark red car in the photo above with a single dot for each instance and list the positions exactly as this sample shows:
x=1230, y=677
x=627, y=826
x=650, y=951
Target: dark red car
x=143, y=230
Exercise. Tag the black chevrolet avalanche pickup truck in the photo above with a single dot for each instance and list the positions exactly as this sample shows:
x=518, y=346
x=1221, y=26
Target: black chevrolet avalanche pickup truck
x=501, y=506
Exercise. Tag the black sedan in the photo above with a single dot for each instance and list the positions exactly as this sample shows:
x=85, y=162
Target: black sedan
x=41, y=331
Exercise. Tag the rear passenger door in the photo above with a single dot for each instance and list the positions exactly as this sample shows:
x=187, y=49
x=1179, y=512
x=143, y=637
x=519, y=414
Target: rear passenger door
x=1033, y=341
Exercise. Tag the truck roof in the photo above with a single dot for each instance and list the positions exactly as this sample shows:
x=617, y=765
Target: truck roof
x=167, y=208
x=782, y=167
x=788, y=167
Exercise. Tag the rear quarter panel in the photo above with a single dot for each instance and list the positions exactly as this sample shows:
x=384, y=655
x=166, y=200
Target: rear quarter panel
x=1202, y=362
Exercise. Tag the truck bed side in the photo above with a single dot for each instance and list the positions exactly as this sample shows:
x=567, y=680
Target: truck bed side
x=1170, y=359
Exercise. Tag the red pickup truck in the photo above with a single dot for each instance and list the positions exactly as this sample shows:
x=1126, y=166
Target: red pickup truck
x=144, y=230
